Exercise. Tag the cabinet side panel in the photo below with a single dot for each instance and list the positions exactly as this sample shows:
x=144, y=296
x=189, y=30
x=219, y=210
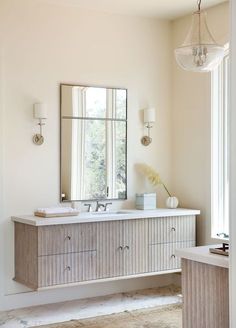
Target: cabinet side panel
x=205, y=295
x=26, y=250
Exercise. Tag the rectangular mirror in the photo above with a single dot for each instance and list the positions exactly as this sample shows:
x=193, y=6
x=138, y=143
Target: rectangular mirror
x=93, y=143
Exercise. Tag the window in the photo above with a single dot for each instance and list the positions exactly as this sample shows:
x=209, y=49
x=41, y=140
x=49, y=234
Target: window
x=219, y=146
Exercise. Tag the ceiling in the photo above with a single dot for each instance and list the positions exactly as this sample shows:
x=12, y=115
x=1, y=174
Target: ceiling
x=169, y=9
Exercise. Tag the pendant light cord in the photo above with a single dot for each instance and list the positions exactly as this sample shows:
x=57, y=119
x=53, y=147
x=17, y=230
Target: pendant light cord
x=199, y=4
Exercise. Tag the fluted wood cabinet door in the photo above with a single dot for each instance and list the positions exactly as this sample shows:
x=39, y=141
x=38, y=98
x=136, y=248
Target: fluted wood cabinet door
x=110, y=249
x=172, y=229
x=66, y=268
x=165, y=235
x=135, y=249
x=162, y=257
x=67, y=238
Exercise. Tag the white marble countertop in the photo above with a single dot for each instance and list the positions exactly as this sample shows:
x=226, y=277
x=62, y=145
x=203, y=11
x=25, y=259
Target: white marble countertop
x=104, y=216
x=203, y=255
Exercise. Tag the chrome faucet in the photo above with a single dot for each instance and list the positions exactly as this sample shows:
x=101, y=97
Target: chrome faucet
x=89, y=207
x=106, y=207
x=99, y=206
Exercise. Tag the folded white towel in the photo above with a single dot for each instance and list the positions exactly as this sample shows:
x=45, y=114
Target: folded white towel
x=56, y=210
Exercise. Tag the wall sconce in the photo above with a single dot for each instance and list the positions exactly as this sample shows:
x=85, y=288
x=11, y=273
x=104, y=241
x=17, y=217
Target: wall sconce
x=40, y=113
x=149, y=118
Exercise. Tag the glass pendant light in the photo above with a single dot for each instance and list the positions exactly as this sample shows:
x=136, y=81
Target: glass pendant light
x=199, y=52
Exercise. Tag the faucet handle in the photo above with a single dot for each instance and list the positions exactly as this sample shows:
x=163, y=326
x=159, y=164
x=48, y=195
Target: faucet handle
x=106, y=206
x=100, y=206
x=89, y=207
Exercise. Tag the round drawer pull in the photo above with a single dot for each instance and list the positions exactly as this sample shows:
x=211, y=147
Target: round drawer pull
x=68, y=268
x=120, y=248
x=127, y=247
x=173, y=256
x=68, y=237
x=173, y=229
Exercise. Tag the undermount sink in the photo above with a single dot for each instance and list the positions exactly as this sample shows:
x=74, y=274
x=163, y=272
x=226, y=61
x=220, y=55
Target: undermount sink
x=111, y=212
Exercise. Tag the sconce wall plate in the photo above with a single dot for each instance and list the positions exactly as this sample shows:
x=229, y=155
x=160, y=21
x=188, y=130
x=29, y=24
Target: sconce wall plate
x=146, y=140
x=38, y=139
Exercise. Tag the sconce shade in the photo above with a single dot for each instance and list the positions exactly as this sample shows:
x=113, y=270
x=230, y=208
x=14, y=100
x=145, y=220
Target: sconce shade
x=40, y=111
x=149, y=115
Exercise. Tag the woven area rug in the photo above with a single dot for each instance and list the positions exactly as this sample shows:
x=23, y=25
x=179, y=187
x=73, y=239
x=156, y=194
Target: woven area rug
x=158, y=317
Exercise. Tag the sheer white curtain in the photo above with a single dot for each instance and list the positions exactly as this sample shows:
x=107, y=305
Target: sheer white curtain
x=77, y=145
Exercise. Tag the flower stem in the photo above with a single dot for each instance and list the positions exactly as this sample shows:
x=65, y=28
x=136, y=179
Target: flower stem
x=166, y=189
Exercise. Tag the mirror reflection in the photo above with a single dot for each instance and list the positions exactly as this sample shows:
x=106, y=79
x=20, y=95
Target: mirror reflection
x=93, y=143
x=79, y=101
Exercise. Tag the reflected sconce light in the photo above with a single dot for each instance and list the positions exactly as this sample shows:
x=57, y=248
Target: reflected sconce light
x=40, y=113
x=199, y=52
x=149, y=117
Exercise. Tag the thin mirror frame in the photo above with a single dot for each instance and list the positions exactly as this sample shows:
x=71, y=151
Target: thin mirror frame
x=87, y=118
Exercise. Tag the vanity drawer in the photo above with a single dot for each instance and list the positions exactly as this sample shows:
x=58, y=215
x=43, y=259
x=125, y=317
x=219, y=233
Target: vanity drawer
x=68, y=238
x=172, y=229
x=67, y=268
x=162, y=257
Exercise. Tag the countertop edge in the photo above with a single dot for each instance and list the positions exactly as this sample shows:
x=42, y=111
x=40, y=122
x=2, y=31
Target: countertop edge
x=87, y=218
x=202, y=254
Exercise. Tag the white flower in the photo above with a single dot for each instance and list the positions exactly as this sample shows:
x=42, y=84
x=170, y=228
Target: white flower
x=152, y=176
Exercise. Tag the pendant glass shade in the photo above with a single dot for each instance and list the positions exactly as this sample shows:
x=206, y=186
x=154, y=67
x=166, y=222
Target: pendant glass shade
x=199, y=52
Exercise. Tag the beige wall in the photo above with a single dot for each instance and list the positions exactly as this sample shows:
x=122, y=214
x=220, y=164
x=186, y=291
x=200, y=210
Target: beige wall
x=43, y=45
x=191, y=125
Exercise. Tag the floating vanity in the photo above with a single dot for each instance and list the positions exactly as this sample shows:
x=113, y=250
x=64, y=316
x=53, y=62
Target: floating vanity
x=205, y=288
x=65, y=251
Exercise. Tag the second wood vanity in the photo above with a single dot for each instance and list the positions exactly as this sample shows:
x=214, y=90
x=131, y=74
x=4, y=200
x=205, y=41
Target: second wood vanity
x=71, y=250
x=205, y=288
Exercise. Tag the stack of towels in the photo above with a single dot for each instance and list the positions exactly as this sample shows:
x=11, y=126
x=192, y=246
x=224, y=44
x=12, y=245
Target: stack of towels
x=56, y=210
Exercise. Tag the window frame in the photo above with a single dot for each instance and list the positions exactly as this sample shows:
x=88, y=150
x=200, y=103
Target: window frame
x=220, y=150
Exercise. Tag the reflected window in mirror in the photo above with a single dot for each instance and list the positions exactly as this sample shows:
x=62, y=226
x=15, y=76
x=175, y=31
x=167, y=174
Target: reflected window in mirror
x=93, y=143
